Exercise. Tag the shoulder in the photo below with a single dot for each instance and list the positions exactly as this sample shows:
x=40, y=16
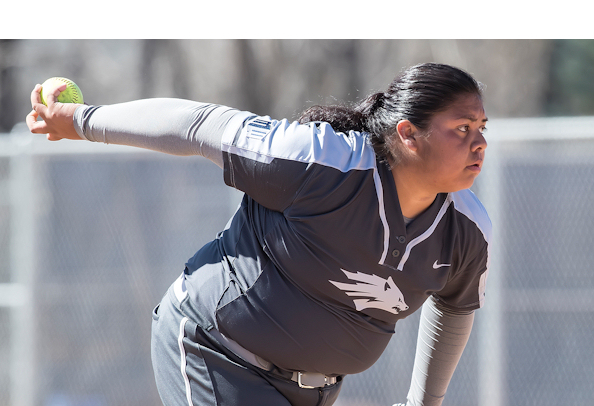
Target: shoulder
x=466, y=203
x=311, y=143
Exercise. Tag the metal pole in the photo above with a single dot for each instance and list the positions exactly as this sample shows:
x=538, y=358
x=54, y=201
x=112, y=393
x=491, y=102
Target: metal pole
x=491, y=358
x=22, y=195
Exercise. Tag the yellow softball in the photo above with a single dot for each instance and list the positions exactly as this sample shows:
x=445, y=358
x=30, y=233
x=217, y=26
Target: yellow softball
x=71, y=94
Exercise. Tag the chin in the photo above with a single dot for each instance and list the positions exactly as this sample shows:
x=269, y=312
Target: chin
x=467, y=185
x=458, y=187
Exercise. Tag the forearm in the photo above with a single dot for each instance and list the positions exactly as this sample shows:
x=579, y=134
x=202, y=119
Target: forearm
x=173, y=126
x=443, y=335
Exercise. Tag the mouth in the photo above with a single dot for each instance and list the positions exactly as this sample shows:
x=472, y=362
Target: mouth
x=475, y=167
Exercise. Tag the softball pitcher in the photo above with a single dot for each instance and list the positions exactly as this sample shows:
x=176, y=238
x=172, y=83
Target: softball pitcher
x=353, y=217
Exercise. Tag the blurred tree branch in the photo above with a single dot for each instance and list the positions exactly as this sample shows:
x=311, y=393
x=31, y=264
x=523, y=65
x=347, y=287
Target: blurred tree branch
x=8, y=85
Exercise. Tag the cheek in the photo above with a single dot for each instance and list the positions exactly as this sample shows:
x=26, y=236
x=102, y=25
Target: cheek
x=449, y=167
x=446, y=158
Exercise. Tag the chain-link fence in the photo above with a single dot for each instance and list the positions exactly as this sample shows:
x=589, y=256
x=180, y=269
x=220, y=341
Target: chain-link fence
x=91, y=236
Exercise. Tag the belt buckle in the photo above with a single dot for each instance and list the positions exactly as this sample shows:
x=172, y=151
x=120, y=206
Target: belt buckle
x=304, y=386
x=301, y=385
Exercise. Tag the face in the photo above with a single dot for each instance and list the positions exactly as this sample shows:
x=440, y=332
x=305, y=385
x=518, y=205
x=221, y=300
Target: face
x=450, y=155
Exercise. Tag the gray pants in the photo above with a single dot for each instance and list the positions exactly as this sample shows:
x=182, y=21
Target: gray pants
x=192, y=369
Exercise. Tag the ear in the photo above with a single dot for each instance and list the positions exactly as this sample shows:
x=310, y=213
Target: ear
x=407, y=133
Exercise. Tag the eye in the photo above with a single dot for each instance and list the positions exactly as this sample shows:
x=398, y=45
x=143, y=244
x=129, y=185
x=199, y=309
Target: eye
x=464, y=128
x=483, y=129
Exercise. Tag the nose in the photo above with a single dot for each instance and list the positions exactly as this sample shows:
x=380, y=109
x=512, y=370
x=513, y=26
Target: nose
x=479, y=143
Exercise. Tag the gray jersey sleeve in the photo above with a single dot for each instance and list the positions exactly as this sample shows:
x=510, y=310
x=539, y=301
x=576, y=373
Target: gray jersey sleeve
x=443, y=335
x=172, y=126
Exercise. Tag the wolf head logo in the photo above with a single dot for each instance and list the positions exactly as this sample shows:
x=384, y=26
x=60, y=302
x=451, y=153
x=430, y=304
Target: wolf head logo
x=374, y=291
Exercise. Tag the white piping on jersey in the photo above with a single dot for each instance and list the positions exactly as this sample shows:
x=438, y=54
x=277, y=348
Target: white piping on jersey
x=382, y=213
x=475, y=212
x=182, y=352
x=426, y=234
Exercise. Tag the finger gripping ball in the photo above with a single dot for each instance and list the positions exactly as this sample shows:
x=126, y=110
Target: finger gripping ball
x=71, y=94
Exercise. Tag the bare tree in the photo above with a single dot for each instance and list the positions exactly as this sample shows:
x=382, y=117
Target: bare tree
x=8, y=89
x=163, y=63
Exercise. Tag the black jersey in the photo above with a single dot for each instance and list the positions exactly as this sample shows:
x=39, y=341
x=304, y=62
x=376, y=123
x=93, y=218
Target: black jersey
x=317, y=265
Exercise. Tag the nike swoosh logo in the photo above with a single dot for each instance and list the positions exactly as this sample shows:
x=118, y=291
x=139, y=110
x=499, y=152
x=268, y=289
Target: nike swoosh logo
x=436, y=265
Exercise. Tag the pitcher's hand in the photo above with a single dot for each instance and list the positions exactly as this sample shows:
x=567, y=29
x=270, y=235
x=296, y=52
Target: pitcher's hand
x=57, y=117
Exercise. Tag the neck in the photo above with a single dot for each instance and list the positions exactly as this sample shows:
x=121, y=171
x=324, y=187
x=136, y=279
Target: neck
x=414, y=198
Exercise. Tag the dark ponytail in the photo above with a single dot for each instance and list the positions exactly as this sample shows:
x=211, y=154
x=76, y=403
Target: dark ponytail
x=341, y=118
x=416, y=95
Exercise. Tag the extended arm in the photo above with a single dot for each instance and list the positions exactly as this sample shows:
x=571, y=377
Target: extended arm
x=443, y=335
x=173, y=126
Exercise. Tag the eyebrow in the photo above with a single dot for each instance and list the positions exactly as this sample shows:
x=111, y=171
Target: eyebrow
x=471, y=118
